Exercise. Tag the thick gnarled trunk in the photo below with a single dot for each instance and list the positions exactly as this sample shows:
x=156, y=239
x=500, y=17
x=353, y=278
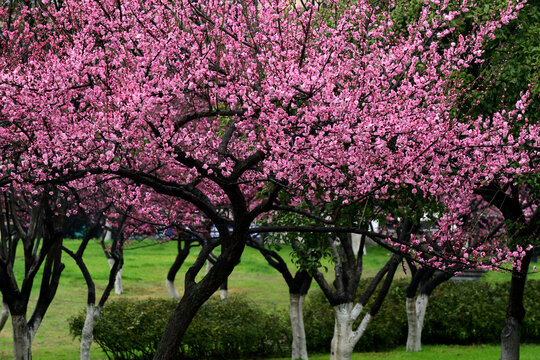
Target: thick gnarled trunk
x=22, y=338
x=87, y=335
x=345, y=338
x=298, y=346
x=416, y=312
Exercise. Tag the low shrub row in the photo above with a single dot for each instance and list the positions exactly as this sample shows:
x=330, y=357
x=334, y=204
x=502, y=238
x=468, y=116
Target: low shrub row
x=232, y=329
x=458, y=313
x=461, y=313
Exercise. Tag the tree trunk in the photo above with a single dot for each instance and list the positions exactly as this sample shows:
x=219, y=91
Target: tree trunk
x=298, y=347
x=196, y=294
x=510, y=339
x=179, y=321
x=515, y=312
x=118, y=288
x=416, y=312
x=4, y=314
x=87, y=335
x=22, y=338
x=345, y=338
x=171, y=289
x=224, y=290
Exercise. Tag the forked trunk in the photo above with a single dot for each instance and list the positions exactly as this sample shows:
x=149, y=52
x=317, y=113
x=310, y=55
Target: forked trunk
x=118, y=288
x=298, y=347
x=416, y=312
x=4, y=314
x=510, y=339
x=22, y=338
x=345, y=338
x=87, y=335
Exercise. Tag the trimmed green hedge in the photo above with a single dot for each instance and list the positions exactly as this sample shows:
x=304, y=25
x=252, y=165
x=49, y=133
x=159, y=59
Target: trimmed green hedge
x=131, y=329
x=458, y=313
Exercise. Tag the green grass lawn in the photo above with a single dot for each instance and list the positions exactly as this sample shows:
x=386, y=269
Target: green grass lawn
x=144, y=276
x=442, y=352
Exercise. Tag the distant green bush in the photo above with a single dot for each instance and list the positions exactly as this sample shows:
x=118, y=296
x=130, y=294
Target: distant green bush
x=458, y=313
x=232, y=329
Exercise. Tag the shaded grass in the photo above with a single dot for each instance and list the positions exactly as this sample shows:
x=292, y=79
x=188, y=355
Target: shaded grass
x=144, y=274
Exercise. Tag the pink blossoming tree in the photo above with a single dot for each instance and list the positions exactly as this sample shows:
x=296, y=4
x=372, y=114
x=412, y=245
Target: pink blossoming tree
x=212, y=102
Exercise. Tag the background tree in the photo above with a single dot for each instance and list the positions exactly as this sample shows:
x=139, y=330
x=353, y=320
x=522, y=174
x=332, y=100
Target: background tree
x=36, y=223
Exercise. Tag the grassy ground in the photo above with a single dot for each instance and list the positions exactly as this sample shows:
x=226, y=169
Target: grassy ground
x=144, y=276
x=442, y=352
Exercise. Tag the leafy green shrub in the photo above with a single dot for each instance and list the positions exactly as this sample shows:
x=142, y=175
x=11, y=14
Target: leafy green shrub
x=458, y=313
x=128, y=329
x=131, y=329
x=233, y=329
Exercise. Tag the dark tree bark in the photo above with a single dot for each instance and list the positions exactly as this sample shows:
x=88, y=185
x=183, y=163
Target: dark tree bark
x=196, y=294
x=41, y=237
x=520, y=230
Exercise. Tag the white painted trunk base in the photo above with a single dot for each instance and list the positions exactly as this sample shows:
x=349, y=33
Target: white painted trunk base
x=298, y=346
x=118, y=288
x=208, y=267
x=345, y=338
x=223, y=294
x=108, y=233
x=22, y=338
x=87, y=335
x=416, y=313
x=4, y=314
x=356, y=240
x=171, y=289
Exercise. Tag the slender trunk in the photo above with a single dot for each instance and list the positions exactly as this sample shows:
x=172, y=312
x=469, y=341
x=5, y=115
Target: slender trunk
x=416, y=312
x=223, y=294
x=87, y=335
x=4, y=314
x=118, y=288
x=171, y=289
x=515, y=312
x=345, y=338
x=298, y=347
x=224, y=290
x=22, y=338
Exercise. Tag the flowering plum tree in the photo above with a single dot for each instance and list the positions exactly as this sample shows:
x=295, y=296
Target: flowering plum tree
x=212, y=102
